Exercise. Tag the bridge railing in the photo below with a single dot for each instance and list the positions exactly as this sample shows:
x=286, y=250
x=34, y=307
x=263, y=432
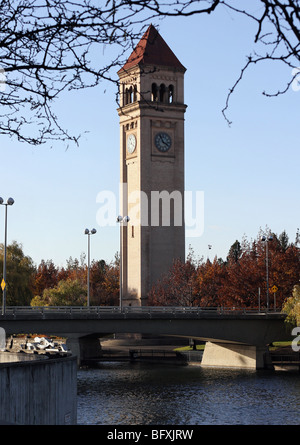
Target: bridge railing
x=98, y=310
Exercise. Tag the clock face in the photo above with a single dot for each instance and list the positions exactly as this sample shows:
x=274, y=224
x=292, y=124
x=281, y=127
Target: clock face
x=131, y=143
x=163, y=142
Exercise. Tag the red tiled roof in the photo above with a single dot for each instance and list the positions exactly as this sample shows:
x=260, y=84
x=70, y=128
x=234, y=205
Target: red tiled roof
x=152, y=50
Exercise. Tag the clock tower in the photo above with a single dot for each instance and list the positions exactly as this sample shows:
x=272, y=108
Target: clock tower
x=152, y=165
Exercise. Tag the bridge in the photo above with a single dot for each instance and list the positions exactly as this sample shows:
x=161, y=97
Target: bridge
x=235, y=337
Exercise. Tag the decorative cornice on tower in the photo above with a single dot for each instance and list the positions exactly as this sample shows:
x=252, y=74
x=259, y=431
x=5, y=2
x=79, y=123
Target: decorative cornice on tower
x=152, y=50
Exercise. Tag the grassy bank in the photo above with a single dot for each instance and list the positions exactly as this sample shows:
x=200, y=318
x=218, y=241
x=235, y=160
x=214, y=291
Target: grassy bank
x=275, y=345
x=189, y=348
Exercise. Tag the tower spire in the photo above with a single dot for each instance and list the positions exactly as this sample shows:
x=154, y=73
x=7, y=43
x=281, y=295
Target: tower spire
x=153, y=50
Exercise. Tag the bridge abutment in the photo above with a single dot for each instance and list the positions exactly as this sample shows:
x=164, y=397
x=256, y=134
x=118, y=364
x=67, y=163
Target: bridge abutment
x=229, y=355
x=84, y=348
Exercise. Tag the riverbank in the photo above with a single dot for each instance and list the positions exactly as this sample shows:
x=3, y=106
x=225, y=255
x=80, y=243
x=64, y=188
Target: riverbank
x=135, y=348
x=168, y=350
x=181, y=352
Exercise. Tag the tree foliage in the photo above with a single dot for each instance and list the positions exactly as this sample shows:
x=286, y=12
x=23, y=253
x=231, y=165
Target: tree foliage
x=292, y=307
x=240, y=281
x=68, y=285
x=236, y=282
x=66, y=293
x=19, y=275
x=176, y=288
x=48, y=47
x=46, y=276
x=48, y=284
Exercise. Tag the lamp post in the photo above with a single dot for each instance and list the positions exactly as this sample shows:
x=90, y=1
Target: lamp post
x=209, y=248
x=89, y=233
x=121, y=220
x=266, y=240
x=9, y=202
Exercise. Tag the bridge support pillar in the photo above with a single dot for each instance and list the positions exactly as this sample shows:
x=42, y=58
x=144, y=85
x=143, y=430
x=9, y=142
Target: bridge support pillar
x=84, y=348
x=229, y=355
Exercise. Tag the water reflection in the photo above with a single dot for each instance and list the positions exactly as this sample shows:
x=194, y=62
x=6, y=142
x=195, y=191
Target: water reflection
x=141, y=394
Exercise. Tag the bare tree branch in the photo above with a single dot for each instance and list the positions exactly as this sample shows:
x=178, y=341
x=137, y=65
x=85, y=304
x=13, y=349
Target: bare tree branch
x=51, y=46
x=278, y=35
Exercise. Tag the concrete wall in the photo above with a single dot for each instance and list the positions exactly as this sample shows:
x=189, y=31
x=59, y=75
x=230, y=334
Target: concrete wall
x=84, y=348
x=236, y=356
x=13, y=357
x=38, y=392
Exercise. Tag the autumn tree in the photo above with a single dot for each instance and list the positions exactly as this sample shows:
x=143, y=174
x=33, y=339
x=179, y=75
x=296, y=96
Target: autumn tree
x=209, y=278
x=68, y=285
x=60, y=286
x=45, y=277
x=111, y=283
x=48, y=47
x=177, y=288
x=246, y=281
x=284, y=267
x=240, y=281
x=244, y=277
x=98, y=272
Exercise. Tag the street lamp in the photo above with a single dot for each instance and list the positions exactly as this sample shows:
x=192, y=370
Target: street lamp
x=266, y=240
x=9, y=202
x=121, y=220
x=209, y=248
x=88, y=233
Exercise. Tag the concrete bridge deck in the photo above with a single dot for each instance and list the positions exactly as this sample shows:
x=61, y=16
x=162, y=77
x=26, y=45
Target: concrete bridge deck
x=235, y=330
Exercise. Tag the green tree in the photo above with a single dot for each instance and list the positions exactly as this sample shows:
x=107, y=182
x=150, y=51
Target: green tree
x=235, y=252
x=284, y=241
x=67, y=293
x=19, y=275
x=292, y=307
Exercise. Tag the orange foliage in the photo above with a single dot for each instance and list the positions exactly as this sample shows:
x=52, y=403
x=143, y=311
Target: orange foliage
x=240, y=281
x=104, y=279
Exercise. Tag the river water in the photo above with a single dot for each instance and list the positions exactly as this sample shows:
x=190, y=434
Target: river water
x=122, y=393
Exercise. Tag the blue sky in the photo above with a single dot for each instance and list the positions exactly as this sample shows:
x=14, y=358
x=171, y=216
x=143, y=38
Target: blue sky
x=249, y=172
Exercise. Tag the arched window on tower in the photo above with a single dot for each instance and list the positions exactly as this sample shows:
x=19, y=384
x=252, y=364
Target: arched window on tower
x=162, y=93
x=126, y=96
x=171, y=94
x=130, y=95
x=134, y=93
x=154, y=93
